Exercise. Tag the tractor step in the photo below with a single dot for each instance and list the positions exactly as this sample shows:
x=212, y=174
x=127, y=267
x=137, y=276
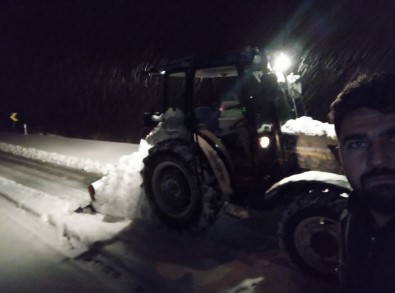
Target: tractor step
x=236, y=211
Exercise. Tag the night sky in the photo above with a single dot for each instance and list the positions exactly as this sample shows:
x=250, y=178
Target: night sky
x=68, y=67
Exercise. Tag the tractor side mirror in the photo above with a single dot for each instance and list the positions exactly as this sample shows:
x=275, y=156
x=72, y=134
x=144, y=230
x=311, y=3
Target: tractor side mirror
x=152, y=119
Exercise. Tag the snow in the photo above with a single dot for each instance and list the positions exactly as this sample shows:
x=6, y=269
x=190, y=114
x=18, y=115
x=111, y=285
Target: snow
x=77, y=150
x=118, y=192
x=309, y=126
x=58, y=210
x=34, y=260
x=29, y=251
x=330, y=178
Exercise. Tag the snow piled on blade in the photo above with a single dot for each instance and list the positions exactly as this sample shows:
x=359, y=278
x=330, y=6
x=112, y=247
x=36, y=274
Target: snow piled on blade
x=309, y=126
x=119, y=191
x=58, y=159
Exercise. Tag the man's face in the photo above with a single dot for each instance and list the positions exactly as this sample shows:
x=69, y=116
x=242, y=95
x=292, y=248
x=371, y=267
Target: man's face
x=367, y=153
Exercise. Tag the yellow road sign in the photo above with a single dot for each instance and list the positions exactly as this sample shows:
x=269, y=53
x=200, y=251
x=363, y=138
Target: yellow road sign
x=13, y=117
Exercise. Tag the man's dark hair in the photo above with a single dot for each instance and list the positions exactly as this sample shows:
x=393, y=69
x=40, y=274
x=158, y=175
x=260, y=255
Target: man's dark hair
x=375, y=92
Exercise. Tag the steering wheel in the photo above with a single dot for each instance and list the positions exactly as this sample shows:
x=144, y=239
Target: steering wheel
x=241, y=122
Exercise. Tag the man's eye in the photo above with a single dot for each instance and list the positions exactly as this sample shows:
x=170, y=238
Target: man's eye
x=358, y=144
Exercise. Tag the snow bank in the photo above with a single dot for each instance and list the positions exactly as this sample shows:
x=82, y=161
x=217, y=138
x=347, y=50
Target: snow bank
x=309, y=126
x=55, y=158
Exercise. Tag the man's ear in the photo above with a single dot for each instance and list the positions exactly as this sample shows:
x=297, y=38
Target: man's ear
x=335, y=152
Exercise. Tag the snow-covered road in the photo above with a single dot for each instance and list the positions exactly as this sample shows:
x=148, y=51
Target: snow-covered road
x=44, y=241
x=34, y=258
x=47, y=245
x=47, y=178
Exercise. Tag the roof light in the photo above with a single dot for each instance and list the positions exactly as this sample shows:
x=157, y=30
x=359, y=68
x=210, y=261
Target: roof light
x=281, y=63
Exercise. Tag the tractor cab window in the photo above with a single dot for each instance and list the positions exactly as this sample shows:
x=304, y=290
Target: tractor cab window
x=219, y=108
x=262, y=91
x=175, y=90
x=274, y=90
x=269, y=101
x=217, y=96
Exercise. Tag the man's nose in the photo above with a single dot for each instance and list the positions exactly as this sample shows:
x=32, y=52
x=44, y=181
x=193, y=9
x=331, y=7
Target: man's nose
x=379, y=155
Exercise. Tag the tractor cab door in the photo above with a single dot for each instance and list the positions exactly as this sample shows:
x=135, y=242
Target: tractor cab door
x=219, y=108
x=269, y=107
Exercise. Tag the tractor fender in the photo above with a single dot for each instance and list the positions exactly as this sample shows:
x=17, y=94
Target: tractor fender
x=216, y=155
x=292, y=186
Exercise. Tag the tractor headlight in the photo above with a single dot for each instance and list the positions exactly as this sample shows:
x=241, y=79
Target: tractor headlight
x=264, y=142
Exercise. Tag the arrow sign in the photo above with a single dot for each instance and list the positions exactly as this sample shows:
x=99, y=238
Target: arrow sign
x=13, y=117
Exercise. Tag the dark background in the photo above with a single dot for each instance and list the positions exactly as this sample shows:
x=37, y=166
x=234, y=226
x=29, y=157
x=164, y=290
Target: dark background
x=70, y=67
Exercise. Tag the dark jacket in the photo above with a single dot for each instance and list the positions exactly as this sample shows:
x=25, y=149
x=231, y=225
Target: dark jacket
x=367, y=253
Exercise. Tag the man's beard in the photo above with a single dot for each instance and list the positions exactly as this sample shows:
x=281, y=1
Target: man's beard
x=380, y=198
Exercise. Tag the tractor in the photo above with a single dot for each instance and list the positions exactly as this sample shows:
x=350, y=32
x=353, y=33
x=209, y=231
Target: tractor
x=218, y=145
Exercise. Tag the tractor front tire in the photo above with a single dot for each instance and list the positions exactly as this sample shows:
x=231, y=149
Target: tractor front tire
x=181, y=189
x=309, y=232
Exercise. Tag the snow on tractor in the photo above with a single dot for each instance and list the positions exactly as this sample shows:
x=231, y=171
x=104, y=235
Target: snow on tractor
x=219, y=142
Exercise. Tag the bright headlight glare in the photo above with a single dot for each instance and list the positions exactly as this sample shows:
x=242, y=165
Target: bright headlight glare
x=282, y=63
x=264, y=142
